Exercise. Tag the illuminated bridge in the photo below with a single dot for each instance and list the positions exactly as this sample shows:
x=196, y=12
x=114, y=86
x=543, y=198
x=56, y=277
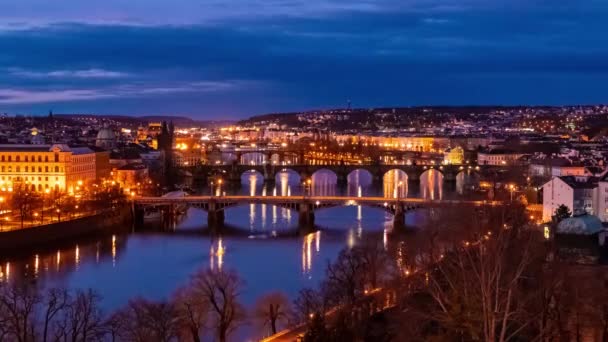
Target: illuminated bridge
x=305, y=205
x=233, y=173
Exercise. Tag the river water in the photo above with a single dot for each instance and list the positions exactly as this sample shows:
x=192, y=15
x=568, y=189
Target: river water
x=152, y=263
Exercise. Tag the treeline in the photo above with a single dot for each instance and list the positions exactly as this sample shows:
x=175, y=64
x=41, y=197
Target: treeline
x=468, y=275
x=207, y=306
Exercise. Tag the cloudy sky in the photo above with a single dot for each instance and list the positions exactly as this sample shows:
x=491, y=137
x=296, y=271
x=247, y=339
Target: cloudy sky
x=214, y=59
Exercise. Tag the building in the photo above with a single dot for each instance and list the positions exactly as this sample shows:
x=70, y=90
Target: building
x=131, y=176
x=106, y=138
x=40, y=167
x=577, y=193
x=556, y=167
x=602, y=198
x=453, y=156
x=81, y=168
x=102, y=163
x=498, y=157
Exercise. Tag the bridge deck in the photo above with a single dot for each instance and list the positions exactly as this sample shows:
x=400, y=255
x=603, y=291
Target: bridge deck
x=354, y=200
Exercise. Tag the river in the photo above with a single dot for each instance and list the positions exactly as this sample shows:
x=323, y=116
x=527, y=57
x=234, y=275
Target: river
x=153, y=263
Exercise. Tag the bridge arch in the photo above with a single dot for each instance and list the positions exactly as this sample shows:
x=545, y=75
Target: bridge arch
x=323, y=182
x=466, y=180
x=252, y=178
x=358, y=182
x=286, y=181
x=394, y=183
x=253, y=158
x=431, y=184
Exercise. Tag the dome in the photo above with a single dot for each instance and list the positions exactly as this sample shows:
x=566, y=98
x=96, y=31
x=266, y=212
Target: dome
x=580, y=225
x=105, y=134
x=105, y=138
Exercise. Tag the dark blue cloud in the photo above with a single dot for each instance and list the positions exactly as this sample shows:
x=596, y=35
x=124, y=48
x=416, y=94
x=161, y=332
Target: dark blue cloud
x=274, y=58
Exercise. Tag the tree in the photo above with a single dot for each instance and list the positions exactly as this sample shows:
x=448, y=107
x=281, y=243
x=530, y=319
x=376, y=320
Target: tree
x=345, y=278
x=272, y=309
x=479, y=292
x=562, y=212
x=23, y=200
x=307, y=303
x=317, y=330
x=191, y=312
x=221, y=290
x=18, y=312
x=55, y=302
x=81, y=319
x=142, y=320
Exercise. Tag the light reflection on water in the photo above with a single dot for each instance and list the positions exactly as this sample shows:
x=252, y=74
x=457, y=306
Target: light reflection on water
x=154, y=264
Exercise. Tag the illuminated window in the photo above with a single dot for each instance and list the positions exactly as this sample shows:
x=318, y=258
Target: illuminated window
x=547, y=233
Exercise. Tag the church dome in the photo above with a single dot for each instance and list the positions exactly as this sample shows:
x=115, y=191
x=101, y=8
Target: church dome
x=105, y=138
x=580, y=225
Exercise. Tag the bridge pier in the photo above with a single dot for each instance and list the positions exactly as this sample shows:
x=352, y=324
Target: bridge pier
x=399, y=218
x=168, y=215
x=306, y=218
x=342, y=179
x=269, y=177
x=215, y=216
x=137, y=214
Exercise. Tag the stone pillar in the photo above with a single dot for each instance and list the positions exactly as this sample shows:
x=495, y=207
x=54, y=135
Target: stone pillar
x=235, y=177
x=306, y=218
x=137, y=214
x=269, y=177
x=399, y=218
x=342, y=178
x=215, y=216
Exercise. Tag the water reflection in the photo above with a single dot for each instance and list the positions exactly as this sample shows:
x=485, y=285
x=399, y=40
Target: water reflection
x=431, y=184
x=359, y=183
x=324, y=183
x=153, y=265
x=395, y=184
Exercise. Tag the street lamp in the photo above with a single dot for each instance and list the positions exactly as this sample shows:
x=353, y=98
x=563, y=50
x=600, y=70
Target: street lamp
x=511, y=189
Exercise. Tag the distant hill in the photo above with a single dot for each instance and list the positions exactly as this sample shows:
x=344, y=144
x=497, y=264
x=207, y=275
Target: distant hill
x=177, y=120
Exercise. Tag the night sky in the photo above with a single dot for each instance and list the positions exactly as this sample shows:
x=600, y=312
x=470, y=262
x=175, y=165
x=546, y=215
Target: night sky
x=218, y=59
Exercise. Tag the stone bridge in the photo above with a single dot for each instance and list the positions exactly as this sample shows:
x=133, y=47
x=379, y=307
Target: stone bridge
x=232, y=173
x=305, y=205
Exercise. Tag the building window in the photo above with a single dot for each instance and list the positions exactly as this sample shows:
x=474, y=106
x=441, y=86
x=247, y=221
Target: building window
x=18, y=168
x=46, y=169
x=46, y=159
x=26, y=169
x=2, y=157
x=10, y=159
x=56, y=168
x=39, y=158
x=56, y=157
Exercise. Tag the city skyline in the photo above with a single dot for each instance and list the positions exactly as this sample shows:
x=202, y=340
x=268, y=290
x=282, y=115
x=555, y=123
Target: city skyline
x=231, y=61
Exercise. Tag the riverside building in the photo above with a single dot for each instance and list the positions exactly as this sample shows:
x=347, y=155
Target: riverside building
x=40, y=167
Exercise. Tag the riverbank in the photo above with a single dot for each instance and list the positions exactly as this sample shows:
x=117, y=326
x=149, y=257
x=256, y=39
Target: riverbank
x=106, y=221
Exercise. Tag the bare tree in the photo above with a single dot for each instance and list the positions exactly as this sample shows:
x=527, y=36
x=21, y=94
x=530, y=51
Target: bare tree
x=143, y=320
x=22, y=200
x=272, y=309
x=221, y=290
x=345, y=278
x=55, y=302
x=307, y=303
x=477, y=290
x=82, y=319
x=376, y=263
x=18, y=309
x=191, y=311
